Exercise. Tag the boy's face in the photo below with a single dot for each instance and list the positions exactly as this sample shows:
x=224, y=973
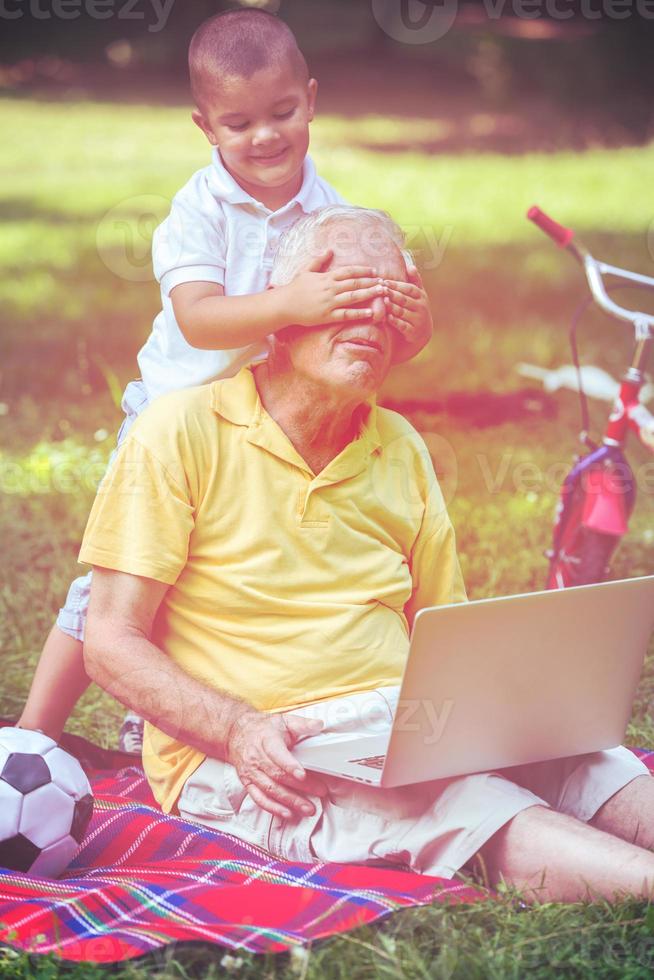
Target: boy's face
x=261, y=127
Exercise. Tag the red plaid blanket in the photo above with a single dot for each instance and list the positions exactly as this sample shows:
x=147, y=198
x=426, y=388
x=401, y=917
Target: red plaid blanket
x=143, y=880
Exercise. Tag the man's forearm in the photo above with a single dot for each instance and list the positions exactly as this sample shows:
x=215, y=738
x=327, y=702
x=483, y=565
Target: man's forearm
x=137, y=673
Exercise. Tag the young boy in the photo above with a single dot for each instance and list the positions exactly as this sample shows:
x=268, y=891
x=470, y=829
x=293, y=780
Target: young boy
x=212, y=256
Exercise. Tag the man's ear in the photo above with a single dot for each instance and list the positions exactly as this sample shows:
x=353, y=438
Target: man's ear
x=202, y=124
x=312, y=91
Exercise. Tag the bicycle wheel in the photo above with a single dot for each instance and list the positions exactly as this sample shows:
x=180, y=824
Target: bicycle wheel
x=586, y=560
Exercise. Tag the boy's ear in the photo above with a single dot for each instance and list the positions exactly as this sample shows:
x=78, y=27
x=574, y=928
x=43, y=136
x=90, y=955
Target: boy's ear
x=202, y=124
x=312, y=91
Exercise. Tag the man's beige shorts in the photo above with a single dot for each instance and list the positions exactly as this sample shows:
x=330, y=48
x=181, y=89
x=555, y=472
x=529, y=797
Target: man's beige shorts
x=433, y=828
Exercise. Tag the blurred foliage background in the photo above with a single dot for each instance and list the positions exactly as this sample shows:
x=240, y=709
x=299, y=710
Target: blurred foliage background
x=455, y=138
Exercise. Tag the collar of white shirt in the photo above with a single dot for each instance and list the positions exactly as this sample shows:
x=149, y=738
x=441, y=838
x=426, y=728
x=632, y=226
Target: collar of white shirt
x=226, y=188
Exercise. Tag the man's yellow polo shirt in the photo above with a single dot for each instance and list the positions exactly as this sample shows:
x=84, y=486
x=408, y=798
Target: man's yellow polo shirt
x=286, y=587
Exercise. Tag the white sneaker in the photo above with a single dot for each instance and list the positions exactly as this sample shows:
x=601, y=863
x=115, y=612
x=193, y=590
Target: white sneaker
x=130, y=737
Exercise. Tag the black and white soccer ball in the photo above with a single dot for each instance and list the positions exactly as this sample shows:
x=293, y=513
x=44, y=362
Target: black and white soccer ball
x=45, y=803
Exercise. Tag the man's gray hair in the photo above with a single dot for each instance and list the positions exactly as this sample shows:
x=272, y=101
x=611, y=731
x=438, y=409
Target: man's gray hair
x=371, y=231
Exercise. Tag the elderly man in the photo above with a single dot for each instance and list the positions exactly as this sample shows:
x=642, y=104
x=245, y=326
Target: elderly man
x=260, y=548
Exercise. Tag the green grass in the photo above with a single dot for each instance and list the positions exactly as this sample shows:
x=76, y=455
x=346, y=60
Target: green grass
x=492, y=941
x=501, y=294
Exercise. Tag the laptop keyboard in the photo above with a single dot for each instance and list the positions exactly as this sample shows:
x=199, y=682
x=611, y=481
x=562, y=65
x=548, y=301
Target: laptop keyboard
x=372, y=761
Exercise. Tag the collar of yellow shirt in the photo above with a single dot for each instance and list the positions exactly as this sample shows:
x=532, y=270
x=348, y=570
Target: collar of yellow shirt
x=237, y=400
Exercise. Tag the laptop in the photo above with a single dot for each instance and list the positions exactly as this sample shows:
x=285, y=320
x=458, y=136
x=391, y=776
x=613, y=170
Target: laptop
x=501, y=682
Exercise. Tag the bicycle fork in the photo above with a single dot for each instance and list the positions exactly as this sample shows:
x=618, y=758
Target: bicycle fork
x=599, y=493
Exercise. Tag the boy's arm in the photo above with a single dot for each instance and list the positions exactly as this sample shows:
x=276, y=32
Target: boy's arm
x=210, y=320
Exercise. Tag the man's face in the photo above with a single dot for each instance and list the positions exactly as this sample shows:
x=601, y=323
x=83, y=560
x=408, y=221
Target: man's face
x=261, y=126
x=354, y=357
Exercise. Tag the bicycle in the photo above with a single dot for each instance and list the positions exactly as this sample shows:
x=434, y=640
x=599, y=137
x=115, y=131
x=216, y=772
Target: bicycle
x=598, y=494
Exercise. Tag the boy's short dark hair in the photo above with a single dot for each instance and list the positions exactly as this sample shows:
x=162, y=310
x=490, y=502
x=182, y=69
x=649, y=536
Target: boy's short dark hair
x=240, y=42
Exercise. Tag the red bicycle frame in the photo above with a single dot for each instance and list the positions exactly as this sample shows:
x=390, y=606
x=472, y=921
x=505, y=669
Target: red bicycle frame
x=599, y=493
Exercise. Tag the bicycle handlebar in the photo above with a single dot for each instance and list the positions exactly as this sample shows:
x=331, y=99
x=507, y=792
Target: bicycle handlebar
x=595, y=271
x=562, y=236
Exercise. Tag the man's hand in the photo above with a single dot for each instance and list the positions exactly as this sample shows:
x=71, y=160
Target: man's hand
x=408, y=312
x=258, y=748
x=314, y=297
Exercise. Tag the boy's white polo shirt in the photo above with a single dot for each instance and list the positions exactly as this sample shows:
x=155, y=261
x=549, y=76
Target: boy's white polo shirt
x=216, y=232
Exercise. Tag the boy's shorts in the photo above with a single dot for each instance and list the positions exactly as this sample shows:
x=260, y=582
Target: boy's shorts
x=72, y=615
x=433, y=828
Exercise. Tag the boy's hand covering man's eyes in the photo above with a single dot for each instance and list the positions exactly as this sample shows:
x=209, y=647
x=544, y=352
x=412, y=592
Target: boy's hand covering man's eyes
x=314, y=297
x=407, y=308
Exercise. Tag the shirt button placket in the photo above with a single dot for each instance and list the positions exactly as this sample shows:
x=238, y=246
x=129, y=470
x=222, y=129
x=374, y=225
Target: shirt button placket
x=271, y=240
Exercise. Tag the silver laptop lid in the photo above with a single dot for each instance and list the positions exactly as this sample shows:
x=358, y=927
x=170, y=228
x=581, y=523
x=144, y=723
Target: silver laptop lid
x=498, y=682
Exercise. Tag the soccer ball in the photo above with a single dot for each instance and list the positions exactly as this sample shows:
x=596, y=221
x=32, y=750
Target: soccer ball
x=45, y=803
